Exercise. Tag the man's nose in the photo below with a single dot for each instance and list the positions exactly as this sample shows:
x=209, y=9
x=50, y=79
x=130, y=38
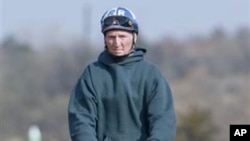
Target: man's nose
x=116, y=41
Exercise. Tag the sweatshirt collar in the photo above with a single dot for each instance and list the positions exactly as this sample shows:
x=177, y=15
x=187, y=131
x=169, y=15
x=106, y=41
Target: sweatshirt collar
x=137, y=55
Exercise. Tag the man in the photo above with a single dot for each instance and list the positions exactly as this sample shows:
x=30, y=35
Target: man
x=121, y=97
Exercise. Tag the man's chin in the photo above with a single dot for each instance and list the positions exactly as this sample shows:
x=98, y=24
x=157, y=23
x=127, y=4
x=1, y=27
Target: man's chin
x=118, y=54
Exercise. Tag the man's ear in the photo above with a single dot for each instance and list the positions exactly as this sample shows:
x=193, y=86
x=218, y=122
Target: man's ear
x=104, y=40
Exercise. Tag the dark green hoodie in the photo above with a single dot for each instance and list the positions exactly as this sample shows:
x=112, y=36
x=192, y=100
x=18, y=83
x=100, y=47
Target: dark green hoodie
x=122, y=99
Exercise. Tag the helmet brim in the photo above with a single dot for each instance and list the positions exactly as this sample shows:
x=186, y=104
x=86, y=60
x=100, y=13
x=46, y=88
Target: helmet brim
x=118, y=27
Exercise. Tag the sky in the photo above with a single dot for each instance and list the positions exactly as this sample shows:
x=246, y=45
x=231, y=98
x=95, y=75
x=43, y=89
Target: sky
x=40, y=20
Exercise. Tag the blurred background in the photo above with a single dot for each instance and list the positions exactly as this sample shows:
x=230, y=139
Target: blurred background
x=202, y=48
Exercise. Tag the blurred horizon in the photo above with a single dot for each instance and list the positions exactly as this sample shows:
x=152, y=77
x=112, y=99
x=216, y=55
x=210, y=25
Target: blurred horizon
x=37, y=21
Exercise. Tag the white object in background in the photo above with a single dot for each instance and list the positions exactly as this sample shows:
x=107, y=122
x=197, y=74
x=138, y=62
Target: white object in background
x=34, y=133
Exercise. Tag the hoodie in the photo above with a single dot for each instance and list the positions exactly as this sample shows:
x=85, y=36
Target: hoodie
x=122, y=99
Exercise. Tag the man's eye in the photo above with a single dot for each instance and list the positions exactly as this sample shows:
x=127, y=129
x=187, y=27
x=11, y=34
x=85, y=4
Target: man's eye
x=111, y=37
x=122, y=36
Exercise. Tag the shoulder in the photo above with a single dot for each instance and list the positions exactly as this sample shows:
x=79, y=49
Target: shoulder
x=86, y=69
x=93, y=69
x=150, y=70
x=92, y=65
x=151, y=66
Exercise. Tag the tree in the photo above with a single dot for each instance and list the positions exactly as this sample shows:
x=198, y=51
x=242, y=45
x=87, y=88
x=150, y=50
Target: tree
x=196, y=125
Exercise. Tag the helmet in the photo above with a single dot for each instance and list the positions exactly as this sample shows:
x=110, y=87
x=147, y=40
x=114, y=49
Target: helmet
x=119, y=18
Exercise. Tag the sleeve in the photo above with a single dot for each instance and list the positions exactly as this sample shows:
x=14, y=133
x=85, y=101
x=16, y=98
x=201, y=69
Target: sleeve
x=82, y=111
x=162, y=121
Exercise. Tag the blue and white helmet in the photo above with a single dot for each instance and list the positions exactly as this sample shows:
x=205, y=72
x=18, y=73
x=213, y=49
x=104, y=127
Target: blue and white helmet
x=119, y=18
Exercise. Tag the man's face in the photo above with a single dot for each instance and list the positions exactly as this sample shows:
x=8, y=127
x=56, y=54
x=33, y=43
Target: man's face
x=119, y=42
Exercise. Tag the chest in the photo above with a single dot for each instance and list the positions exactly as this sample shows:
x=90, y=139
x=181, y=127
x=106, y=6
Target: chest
x=121, y=85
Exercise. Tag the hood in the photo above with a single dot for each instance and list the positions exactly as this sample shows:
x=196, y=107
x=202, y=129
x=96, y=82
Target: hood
x=107, y=59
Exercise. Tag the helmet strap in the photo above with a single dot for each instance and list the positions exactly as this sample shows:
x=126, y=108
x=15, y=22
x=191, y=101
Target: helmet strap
x=134, y=38
x=134, y=41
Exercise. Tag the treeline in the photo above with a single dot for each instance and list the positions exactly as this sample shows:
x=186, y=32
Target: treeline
x=36, y=83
